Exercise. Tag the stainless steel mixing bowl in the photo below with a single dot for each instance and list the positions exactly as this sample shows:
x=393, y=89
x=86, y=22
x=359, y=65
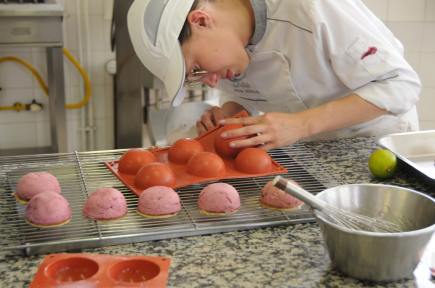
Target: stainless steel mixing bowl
x=378, y=256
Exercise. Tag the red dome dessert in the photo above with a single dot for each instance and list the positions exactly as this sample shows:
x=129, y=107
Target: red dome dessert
x=134, y=159
x=254, y=161
x=183, y=149
x=155, y=174
x=206, y=164
x=222, y=146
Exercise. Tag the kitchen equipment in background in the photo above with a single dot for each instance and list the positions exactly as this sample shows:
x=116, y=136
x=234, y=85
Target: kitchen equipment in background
x=342, y=217
x=417, y=149
x=39, y=25
x=38, y=77
x=21, y=1
x=378, y=256
x=80, y=173
x=100, y=271
x=139, y=97
x=131, y=83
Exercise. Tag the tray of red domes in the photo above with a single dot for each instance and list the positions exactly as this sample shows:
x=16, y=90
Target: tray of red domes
x=192, y=161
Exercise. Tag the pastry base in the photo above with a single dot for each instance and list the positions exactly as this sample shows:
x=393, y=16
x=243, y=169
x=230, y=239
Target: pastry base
x=156, y=216
x=280, y=209
x=217, y=213
x=19, y=200
x=105, y=220
x=48, y=226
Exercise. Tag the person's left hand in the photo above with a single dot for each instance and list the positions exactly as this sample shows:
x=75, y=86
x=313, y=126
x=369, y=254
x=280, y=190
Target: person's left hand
x=271, y=130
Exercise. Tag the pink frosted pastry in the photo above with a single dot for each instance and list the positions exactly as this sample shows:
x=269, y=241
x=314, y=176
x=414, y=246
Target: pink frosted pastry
x=34, y=183
x=105, y=204
x=272, y=197
x=219, y=199
x=159, y=201
x=48, y=209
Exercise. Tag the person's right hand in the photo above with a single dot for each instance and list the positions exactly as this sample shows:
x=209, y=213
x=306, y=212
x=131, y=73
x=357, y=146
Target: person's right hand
x=209, y=119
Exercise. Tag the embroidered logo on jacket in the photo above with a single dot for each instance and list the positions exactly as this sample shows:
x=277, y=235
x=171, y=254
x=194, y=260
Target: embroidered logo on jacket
x=370, y=51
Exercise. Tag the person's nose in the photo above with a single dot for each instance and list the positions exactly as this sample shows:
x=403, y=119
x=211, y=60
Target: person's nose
x=211, y=80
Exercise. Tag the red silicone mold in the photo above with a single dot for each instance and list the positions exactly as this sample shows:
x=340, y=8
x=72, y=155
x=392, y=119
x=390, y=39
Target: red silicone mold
x=183, y=176
x=98, y=271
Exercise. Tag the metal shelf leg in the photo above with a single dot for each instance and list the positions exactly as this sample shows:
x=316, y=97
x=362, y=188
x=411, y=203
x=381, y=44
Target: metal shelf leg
x=56, y=86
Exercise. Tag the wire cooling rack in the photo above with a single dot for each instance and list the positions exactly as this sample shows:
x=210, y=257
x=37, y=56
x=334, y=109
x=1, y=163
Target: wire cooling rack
x=81, y=173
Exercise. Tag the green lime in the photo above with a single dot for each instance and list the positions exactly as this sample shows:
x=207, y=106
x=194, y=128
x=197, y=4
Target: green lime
x=382, y=163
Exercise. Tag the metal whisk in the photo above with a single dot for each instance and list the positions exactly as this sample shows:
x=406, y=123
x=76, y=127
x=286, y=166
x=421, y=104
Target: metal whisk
x=348, y=219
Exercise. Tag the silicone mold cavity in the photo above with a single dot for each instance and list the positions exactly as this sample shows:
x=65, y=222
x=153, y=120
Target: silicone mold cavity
x=72, y=269
x=134, y=271
x=101, y=271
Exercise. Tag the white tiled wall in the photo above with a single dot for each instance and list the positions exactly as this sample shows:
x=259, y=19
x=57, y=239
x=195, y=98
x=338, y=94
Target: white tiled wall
x=413, y=22
x=87, y=37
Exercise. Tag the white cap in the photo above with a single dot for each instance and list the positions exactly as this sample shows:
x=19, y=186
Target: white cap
x=154, y=27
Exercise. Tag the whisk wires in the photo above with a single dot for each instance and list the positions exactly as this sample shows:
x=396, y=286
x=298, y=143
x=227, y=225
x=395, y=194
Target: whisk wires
x=339, y=216
x=355, y=221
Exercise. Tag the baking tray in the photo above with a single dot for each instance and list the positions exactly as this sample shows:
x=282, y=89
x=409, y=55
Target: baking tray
x=183, y=178
x=417, y=149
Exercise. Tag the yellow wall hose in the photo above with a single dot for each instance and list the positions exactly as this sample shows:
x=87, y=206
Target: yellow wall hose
x=43, y=84
x=16, y=107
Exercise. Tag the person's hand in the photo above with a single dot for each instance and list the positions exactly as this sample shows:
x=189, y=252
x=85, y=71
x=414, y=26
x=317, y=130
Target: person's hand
x=210, y=119
x=274, y=129
x=267, y=131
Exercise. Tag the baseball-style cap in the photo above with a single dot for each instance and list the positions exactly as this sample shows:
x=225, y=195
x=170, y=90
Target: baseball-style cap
x=154, y=27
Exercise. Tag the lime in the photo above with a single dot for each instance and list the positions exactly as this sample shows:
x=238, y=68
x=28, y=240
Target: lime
x=382, y=163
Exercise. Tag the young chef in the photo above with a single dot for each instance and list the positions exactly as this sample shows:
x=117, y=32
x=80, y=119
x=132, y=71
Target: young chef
x=303, y=69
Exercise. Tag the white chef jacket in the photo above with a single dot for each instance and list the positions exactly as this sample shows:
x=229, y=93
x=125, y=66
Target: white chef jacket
x=308, y=52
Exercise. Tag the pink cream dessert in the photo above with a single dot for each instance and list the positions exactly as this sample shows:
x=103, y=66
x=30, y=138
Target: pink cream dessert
x=219, y=199
x=105, y=204
x=159, y=202
x=48, y=209
x=274, y=198
x=34, y=183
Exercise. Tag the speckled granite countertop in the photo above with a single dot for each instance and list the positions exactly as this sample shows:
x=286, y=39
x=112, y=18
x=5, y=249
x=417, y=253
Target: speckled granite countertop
x=283, y=256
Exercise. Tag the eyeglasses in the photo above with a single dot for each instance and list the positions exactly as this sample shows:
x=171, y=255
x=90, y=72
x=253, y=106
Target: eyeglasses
x=194, y=77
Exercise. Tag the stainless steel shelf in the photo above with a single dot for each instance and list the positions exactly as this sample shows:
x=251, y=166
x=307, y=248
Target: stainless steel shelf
x=26, y=151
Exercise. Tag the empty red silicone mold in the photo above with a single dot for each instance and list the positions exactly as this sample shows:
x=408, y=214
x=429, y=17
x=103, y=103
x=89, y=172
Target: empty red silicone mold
x=185, y=175
x=98, y=271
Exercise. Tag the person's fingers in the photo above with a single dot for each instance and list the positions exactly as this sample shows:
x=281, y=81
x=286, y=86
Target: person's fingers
x=244, y=131
x=206, y=120
x=200, y=129
x=254, y=141
x=241, y=121
x=217, y=115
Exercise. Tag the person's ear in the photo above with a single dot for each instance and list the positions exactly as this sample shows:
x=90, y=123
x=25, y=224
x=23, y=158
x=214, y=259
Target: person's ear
x=199, y=19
